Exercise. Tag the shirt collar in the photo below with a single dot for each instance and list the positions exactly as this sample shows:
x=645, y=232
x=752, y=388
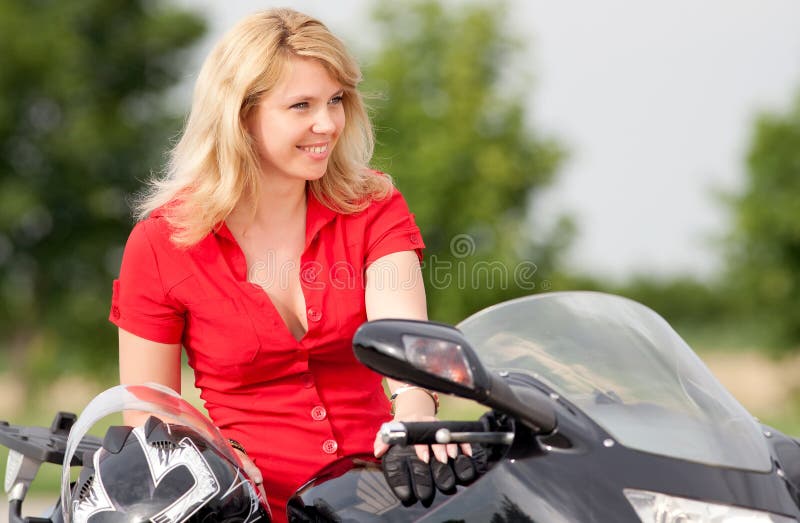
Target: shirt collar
x=317, y=216
x=222, y=231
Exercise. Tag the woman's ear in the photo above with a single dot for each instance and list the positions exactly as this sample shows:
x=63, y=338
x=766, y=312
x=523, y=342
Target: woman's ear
x=248, y=111
x=246, y=117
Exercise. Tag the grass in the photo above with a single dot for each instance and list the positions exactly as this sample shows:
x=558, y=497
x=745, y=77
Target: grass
x=787, y=418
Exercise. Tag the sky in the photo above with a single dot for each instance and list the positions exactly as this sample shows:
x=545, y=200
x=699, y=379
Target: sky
x=654, y=102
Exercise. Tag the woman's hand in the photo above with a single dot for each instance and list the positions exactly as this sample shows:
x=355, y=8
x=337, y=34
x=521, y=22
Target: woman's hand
x=440, y=452
x=253, y=473
x=412, y=403
x=412, y=476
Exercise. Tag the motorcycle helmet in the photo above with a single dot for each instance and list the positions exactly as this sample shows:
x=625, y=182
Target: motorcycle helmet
x=175, y=468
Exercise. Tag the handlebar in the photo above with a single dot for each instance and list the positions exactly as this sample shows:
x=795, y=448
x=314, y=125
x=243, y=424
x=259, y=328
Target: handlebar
x=29, y=447
x=432, y=432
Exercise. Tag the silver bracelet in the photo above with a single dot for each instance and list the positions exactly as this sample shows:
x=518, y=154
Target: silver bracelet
x=405, y=388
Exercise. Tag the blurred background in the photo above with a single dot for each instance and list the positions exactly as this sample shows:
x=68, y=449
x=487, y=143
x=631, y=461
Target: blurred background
x=646, y=149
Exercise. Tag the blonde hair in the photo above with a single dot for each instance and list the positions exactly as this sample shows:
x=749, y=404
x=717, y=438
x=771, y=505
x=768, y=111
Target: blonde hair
x=214, y=165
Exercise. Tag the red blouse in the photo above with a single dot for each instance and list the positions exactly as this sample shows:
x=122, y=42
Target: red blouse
x=294, y=405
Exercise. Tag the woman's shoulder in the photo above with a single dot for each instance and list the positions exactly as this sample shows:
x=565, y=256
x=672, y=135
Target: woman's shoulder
x=392, y=202
x=385, y=211
x=389, y=197
x=155, y=231
x=389, y=227
x=371, y=192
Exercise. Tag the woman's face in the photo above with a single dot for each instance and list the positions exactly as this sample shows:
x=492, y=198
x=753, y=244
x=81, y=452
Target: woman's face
x=296, y=126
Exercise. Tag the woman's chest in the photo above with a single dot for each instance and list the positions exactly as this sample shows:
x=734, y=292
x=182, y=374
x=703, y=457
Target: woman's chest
x=277, y=274
x=242, y=328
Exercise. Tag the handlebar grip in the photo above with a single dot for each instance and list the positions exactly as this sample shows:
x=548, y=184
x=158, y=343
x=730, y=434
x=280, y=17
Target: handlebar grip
x=424, y=432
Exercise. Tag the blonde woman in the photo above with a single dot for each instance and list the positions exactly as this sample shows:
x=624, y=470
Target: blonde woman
x=267, y=242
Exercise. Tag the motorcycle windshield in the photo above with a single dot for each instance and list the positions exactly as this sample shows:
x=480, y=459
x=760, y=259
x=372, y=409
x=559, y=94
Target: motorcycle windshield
x=627, y=369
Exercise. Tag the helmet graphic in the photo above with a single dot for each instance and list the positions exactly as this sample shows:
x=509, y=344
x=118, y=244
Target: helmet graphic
x=161, y=472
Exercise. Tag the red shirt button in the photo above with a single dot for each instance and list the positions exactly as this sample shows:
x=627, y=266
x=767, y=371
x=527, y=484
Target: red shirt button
x=308, y=275
x=330, y=446
x=413, y=238
x=318, y=413
x=115, y=312
x=302, y=355
x=308, y=380
x=314, y=314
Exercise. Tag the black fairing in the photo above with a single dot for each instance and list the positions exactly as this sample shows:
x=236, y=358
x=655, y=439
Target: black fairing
x=786, y=452
x=570, y=475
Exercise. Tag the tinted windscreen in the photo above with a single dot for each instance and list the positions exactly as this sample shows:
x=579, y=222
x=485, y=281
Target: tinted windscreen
x=627, y=369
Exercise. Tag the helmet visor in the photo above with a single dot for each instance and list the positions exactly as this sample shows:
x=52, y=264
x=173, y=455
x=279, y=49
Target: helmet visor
x=152, y=398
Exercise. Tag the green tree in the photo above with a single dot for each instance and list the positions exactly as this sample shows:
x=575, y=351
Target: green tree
x=455, y=137
x=82, y=122
x=764, y=248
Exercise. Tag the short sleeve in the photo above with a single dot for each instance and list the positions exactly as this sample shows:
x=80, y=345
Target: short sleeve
x=391, y=228
x=140, y=304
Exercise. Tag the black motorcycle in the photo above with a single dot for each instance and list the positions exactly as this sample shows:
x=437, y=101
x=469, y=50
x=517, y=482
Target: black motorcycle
x=598, y=412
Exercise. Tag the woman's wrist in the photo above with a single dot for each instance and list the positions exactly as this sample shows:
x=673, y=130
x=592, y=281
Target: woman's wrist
x=414, y=400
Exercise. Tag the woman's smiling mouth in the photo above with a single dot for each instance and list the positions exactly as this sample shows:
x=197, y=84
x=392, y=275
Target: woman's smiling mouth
x=314, y=149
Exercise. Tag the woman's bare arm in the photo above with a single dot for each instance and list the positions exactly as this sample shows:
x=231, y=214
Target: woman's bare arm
x=143, y=361
x=395, y=289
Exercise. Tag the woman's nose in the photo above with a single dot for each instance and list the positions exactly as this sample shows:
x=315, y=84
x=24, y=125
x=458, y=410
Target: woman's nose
x=323, y=122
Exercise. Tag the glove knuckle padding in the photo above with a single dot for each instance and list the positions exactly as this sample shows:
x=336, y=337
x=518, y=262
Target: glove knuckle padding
x=412, y=479
x=407, y=475
x=421, y=478
x=464, y=468
x=397, y=475
x=443, y=476
x=480, y=459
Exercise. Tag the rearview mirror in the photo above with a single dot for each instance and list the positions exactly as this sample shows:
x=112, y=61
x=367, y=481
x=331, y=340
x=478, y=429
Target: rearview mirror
x=429, y=354
x=439, y=357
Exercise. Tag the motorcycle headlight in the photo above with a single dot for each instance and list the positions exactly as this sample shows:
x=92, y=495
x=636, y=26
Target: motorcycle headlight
x=654, y=507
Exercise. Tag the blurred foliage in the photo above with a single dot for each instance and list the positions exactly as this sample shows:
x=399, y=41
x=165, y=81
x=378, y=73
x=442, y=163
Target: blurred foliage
x=697, y=309
x=683, y=299
x=700, y=310
x=764, y=246
x=82, y=121
x=454, y=135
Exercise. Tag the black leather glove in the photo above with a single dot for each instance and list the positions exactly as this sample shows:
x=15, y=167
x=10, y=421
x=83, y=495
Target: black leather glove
x=408, y=476
x=412, y=479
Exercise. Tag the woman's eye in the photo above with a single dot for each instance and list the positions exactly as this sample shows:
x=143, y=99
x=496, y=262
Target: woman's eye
x=336, y=99
x=300, y=105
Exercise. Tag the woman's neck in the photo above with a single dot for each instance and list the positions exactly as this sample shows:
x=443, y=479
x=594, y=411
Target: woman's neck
x=280, y=207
